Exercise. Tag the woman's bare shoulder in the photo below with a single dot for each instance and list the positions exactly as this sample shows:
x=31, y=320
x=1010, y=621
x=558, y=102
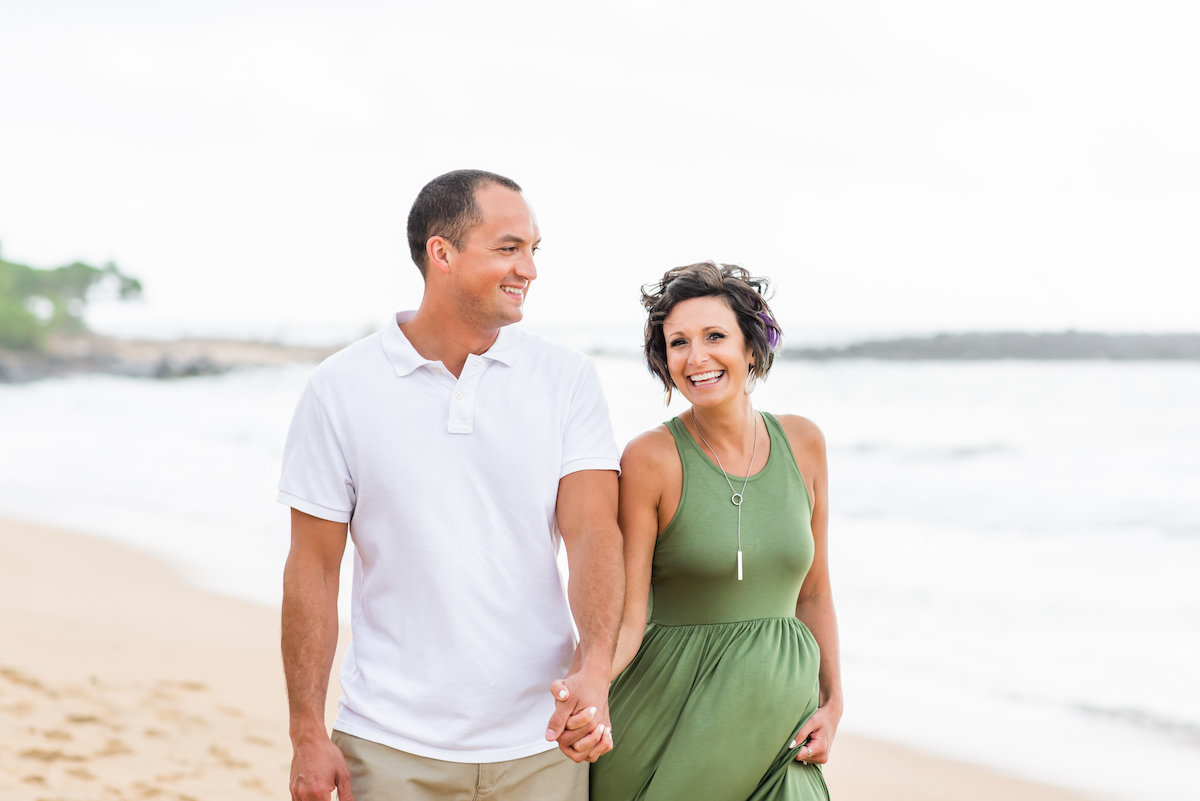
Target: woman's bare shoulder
x=803, y=434
x=649, y=450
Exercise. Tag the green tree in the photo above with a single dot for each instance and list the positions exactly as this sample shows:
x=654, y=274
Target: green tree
x=37, y=302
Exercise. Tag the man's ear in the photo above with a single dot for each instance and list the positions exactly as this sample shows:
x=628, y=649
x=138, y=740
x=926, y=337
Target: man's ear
x=437, y=254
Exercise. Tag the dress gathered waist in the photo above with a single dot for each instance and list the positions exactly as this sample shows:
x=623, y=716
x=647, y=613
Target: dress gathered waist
x=733, y=621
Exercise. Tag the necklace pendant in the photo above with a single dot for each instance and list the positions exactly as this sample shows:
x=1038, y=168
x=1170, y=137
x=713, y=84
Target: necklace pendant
x=736, y=499
x=739, y=564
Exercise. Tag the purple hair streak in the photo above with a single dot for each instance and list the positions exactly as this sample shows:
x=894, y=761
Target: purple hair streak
x=772, y=329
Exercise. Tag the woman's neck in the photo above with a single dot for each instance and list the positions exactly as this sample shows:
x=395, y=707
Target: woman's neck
x=729, y=428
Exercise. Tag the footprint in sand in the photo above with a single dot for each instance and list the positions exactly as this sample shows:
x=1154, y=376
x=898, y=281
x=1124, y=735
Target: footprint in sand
x=114, y=747
x=145, y=790
x=46, y=755
x=17, y=677
x=163, y=689
x=226, y=759
x=21, y=709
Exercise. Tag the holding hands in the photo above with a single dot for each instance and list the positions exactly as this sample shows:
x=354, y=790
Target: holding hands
x=582, y=729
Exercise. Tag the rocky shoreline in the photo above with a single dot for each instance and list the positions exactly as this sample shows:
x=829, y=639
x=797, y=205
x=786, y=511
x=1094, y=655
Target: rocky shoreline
x=983, y=346
x=64, y=356
x=193, y=357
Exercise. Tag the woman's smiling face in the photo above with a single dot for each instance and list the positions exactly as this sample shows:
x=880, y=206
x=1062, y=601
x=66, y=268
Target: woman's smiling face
x=707, y=356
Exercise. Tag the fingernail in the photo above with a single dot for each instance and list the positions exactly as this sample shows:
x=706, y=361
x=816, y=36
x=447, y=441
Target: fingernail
x=601, y=730
x=793, y=745
x=549, y=734
x=562, y=695
x=591, y=710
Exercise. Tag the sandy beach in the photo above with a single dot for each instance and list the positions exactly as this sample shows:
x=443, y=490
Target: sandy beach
x=119, y=681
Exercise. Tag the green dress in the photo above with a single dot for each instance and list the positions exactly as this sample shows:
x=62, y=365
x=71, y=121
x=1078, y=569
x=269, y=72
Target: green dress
x=726, y=674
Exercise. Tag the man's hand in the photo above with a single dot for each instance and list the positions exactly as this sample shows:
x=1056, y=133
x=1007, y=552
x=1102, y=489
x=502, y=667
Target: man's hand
x=586, y=511
x=582, y=730
x=318, y=768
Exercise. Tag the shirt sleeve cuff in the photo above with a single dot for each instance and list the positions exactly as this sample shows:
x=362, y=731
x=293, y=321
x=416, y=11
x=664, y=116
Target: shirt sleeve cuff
x=314, y=509
x=575, y=465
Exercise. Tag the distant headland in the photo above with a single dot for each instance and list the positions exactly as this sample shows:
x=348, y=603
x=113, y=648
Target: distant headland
x=43, y=331
x=93, y=353
x=181, y=358
x=981, y=346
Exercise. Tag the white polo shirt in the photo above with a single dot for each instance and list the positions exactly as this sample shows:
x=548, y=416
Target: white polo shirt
x=458, y=613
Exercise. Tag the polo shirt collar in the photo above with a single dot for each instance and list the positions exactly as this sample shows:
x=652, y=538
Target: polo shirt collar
x=405, y=359
x=504, y=349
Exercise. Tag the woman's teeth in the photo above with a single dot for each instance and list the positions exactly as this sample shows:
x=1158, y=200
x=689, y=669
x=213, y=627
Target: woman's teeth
x=704, y=378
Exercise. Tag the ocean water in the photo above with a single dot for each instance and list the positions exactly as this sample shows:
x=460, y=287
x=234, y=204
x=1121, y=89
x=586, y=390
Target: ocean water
x=1014, y=545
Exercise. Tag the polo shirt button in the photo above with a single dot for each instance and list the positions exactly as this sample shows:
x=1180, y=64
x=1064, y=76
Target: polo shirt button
x=458, y=395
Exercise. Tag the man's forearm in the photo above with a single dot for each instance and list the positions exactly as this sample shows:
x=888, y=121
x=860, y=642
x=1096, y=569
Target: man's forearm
x=309, y=641
x=596, y=588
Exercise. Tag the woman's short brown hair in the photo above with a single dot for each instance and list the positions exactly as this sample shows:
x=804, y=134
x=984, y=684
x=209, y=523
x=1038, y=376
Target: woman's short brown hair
x=745, y=294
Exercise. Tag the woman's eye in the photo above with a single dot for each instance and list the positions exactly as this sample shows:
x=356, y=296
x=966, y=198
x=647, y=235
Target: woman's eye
x=675, y=343
x=716, y=335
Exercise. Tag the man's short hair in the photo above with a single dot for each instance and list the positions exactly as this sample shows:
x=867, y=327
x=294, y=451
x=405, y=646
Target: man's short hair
x=446, y=207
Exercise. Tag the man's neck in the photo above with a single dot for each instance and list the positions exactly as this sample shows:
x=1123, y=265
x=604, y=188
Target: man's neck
x=445, y=338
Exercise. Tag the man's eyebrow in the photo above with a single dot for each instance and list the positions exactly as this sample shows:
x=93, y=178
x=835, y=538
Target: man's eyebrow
x=515, y=239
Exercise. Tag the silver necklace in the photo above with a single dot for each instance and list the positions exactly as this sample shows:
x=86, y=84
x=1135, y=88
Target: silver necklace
x=736, y=497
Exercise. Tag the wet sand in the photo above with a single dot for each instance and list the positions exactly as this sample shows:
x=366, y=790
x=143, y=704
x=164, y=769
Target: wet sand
x=120, y=681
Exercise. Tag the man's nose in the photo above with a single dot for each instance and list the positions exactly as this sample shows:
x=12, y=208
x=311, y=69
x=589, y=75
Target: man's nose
x=526, y=268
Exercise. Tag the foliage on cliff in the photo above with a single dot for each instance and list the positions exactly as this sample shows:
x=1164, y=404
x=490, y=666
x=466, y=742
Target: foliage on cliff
x=35, y=303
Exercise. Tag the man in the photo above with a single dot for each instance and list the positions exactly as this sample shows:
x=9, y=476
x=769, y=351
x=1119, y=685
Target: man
x=456, y=450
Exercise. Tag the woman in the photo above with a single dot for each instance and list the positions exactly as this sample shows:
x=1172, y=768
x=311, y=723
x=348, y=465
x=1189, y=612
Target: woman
x=731, y=691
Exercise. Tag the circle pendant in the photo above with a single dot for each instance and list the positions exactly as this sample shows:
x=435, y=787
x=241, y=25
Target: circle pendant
x=737, y=499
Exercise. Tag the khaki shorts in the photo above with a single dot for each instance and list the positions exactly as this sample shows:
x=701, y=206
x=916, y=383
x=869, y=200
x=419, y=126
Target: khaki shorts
x=380, y=773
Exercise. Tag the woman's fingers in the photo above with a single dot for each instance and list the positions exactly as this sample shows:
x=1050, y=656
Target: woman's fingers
x=815, y=749
x=581, y=718
x=801, y=736
x=597, y=742
x=814, y=738
x=603, y=747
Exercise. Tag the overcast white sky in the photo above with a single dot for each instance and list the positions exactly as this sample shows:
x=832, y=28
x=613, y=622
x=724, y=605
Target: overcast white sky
x=894, y=166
